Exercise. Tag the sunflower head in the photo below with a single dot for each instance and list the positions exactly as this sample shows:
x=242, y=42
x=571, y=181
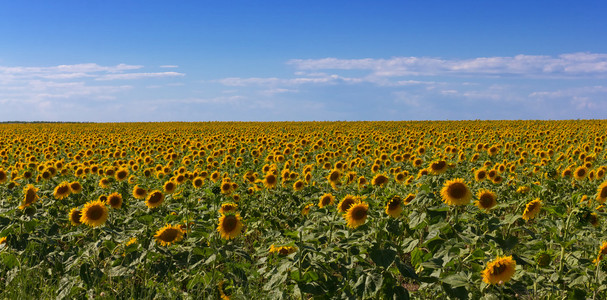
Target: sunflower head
x=169, y=187
x=154, y=199
x=298, y=185
x=395, y=206
x=75, y=187
x=601, y=193
x=438, y=167
x=379, y=180
x=75, y=215
x=346, y=203
x=230, y=226
x=228, y=208
x=270, y=180
x=334, y=176
x=326, y=200
x=122, y=174
x=30, y=195
x=486, y=199
x=356, y=215
x=306, y=210
x=455, y=192
x=543, y=258
x=408, y=199
x=139, y=192
x=94, y=213
x=499, y=271
x=114, y=200
x=168, y=234
x=532, y=209
x=62, y=190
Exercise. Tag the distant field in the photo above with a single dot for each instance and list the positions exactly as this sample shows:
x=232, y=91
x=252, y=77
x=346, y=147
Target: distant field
x=383, y=210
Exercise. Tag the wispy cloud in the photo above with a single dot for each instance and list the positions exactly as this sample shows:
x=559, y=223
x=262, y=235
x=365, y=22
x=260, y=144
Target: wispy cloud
x=129, y=76
x=573, y=64
x=169, y=66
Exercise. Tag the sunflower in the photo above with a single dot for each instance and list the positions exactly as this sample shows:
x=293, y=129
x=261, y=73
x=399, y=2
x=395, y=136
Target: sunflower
x=480, y=175
x=30, y=196
x=168, y=234
x=104, y=183
x=438, y=167
x=602, y=252
x=75, y=215
x=75, y=187
x=499, y=271
x=114, y=200
x=356, y=215
x=532, y=208
x=139, y=192
x=198, y=182
x=580, y=173
x=169, y=187
x=270, y=180
x=379, y=180
x=362, y=182
x=226, y=187
x=326, y=200
x=298, y=185
x=283, y=250
x=3, y=176
x=601, y=193
x=121, y=174
x=334, y=176
x=395, y=206
x=62, y=190
x=408, y=199
x=2, y=241
x=306, y=210
x=229, y=226
x=346, y=203
x=154, y=199
x=94, y=213
x=455, y=192
x=486, y=199
x=228, y=208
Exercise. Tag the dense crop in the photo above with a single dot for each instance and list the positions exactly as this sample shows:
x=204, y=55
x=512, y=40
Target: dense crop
x=471, y=209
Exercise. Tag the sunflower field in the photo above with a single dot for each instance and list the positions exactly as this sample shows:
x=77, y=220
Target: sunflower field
x=304, y=210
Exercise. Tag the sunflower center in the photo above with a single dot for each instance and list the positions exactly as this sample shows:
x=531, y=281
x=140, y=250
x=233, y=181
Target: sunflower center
x=114, y=201
x=438, y=165
x=359, y=213
x=334, y=176
x=581, y=172
x=326, y=201
x=457, y=190
x=394, y=203
x=499, y=268
x=94, y=212
x=62, y=190
x=76, y=217
x=345, y=205
x=229, y=223
x=169, y=235
x=604, y=192
x=481, y=175
x=155, y=198
x=486, y=200
x=271, y=179
x=30, y=196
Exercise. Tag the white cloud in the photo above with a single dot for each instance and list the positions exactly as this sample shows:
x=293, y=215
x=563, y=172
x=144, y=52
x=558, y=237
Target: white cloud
x=169, y=66
x=129, y=76
x=573, y=64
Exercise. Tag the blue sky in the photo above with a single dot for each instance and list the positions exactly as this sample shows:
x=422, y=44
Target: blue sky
x=302, y=60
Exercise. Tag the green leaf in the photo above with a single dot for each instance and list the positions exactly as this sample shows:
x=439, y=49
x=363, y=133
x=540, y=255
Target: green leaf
x=382, y=257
